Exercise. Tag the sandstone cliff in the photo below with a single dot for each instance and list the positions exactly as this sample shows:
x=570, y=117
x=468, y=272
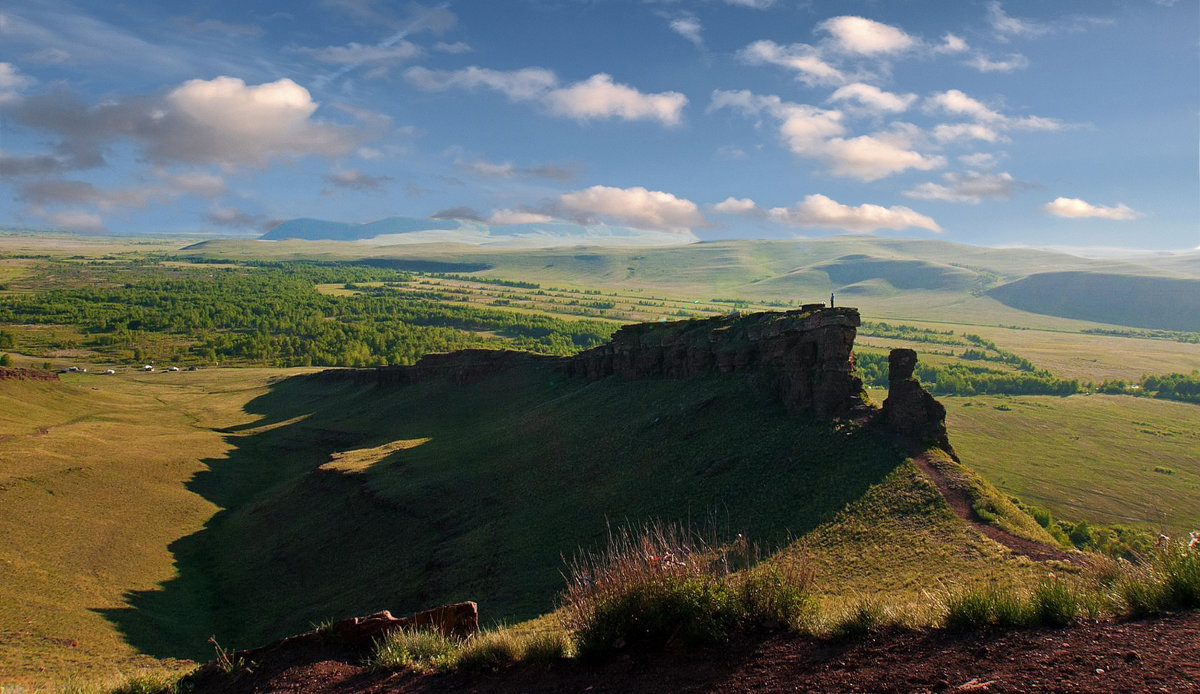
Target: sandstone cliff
x=804, y=356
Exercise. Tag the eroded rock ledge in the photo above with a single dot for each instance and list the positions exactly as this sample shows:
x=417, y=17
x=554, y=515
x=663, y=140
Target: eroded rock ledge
x=805, y=355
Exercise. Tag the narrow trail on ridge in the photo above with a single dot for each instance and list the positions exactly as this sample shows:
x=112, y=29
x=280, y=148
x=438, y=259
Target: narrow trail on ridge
x=960, y=502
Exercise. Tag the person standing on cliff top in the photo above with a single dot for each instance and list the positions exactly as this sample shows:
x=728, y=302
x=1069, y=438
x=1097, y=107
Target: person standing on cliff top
x=830, y=299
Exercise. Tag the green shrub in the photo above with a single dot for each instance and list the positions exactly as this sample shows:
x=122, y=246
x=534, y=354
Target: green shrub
x=1170, y=581
x=421, y=650
x=490, y=650
x=1180, y=569
x=777, y=596
x=662, y=586
x=546, y=646
x=978, y=607
x=1056, y=602
x=971, y=609
x=674, y=610
x=867, y=616
x=149, y=683
x=6, y=360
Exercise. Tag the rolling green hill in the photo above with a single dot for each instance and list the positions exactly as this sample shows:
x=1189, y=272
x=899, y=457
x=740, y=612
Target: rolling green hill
x=888, y=278
x=1144, y=302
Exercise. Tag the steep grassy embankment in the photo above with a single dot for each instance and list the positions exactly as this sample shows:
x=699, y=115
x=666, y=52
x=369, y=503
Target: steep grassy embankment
x=485, y=487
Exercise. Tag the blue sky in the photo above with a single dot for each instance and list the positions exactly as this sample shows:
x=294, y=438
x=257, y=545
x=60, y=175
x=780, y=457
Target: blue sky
x=1063, y=123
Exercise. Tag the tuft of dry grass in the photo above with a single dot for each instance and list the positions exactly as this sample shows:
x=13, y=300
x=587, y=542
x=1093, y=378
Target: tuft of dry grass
x=664, y=586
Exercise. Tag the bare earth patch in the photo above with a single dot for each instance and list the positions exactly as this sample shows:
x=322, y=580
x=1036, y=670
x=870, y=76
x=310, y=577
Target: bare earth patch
x=1146, y=656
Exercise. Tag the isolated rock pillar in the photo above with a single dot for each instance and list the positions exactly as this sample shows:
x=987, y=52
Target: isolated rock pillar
x=909, y=408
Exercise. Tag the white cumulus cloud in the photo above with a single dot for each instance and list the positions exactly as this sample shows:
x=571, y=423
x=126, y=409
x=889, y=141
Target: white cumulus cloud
x=12, y=82
x=866, y=36
x=955, y=102
x=1015, y=61
x=732, y=205
x=689, y=28
x=803, y=59
x=1075, y=208
x=225, y=121
x=636, y=207
x=970, y=187
x=600, y=97
x=818, y=133
x=872, y=157
x=950, y=132
x=597, y=97
x=872, y=99
x=822, y=211
x=951, y=44
x=507, y=216
x=1006, y=26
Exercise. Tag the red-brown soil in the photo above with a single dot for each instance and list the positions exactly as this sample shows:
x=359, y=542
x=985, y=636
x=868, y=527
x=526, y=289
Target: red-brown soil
x=1160, y=655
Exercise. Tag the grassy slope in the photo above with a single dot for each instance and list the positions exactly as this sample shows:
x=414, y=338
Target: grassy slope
x=92, y=493
x=900, y=544
x=448, y=492
x=517, y=471
x=1087, y=457
x=1144, y=302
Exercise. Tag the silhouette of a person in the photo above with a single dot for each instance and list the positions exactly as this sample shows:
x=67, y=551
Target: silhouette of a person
x=830, y=299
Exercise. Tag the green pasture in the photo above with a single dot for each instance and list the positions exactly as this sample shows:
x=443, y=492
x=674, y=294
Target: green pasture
x=1110, y=459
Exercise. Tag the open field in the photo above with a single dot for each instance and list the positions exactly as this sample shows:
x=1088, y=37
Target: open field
x=1107, y=459
x=94, y=489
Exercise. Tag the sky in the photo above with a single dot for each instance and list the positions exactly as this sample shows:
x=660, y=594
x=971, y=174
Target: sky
x=1022, y=123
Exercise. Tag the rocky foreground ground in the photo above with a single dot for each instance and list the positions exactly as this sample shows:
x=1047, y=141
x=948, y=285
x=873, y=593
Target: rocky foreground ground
x=1160, y=655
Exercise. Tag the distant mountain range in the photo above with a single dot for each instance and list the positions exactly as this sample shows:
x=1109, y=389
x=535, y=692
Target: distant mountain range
x=408, y=230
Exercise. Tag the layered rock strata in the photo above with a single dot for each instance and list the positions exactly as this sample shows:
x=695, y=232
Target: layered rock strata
x=805, y=356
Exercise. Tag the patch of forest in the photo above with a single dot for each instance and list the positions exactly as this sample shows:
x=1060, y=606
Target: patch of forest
x=270, y=313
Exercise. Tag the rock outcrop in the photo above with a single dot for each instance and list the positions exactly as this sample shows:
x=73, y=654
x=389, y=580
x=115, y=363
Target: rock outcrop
x=352, y=639
x=805, y=355
x=909, y=409
x=460, y=619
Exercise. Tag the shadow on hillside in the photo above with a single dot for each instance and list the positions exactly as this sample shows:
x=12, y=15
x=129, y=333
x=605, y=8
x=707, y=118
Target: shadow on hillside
x=177, y=619
x=520, y=471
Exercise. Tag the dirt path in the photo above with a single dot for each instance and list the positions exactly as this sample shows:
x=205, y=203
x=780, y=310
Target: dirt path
x=1160, y=655
x=960, y=501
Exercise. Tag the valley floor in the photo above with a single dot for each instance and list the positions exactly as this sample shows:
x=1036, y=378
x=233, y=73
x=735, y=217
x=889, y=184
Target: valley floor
x=1161, y=655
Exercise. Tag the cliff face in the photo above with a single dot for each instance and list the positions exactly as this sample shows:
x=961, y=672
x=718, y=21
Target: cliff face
x=805, y=355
